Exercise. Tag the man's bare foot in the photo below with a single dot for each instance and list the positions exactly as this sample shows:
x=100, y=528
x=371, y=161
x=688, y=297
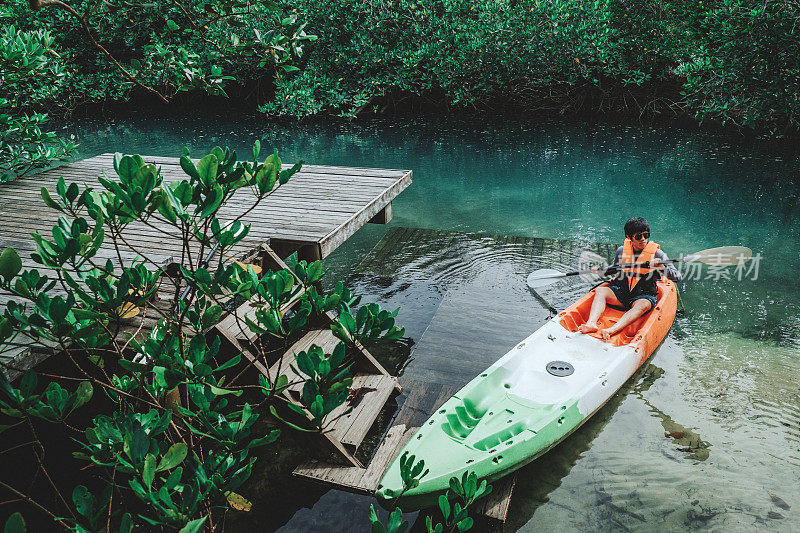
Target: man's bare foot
x=607, y=333
x=588, y=327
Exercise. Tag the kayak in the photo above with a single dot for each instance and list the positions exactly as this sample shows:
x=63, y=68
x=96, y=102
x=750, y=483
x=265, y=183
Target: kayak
x=531, y=399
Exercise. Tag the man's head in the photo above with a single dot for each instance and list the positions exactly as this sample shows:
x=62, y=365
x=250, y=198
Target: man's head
x=638, y=231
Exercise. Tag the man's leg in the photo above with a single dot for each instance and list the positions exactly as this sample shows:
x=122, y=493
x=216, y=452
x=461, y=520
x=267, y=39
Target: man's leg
x=601, y=296
x=638, y=308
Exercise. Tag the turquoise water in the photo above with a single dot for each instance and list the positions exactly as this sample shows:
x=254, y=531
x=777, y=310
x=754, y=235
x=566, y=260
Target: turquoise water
x=709, y=436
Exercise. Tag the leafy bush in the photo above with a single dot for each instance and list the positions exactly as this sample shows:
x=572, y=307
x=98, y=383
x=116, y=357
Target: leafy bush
x=745, y=65
x=727, y=59
x=27, y=75
x=454, y=504
x=176, y=441
x=163, y=48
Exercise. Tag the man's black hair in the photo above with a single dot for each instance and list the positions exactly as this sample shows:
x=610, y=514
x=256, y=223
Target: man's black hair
x=636, y=225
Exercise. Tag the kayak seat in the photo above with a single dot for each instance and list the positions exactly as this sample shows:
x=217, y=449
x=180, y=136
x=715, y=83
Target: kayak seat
x=471, y=409
x=578, y=313
x=501, y=436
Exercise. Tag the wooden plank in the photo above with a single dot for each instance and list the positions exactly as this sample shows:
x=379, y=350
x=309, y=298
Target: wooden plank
x=338, y=186
x=248, y=310
x=303, y=180
x=353, y=427
x=497, y=503
x=329, y=214
x=106, y=159
x=320, y=207
x=395, y=439
x=359, y=480
x=343, y=232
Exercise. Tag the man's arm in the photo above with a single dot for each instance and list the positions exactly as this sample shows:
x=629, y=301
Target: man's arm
x=668, y=269
x=613, y=268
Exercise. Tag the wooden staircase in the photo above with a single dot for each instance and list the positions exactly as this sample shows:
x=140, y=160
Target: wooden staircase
x=372, y=385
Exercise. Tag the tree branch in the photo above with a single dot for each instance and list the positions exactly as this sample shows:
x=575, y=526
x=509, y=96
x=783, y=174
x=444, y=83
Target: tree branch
x=36, y=5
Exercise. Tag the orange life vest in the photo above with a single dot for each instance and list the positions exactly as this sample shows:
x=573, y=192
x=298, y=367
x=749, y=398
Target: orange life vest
x=635, y=273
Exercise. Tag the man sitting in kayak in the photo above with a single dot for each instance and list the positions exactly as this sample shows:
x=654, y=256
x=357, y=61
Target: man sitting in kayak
x=634, y=286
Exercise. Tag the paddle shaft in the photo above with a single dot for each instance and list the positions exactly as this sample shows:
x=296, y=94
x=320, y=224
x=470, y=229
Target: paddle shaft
x=712, y=256
x=625, y=265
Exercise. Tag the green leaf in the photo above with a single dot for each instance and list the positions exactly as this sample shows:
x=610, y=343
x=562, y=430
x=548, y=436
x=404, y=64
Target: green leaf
x=455, y=486
x=304, y=364
x=195, y=526
x=233, y=361
x=126, y=524
x=221, y=392
x=15, y=524
x=166, y=378
x=314, y=272
x=174, y=478
x=444, y=506
x=84, y=501
x=271, y=437
x=237, y=501
x=207, y=169
x=28, y=383
x=128, y=166
x=83, y=394
x=188, y=166
x=10, y=264
x=377, y=526
x=466, y=524
x=136, y=444
x=174, y=456
x=172, y=25
x=396, y=522
x=149, y=470
x=48, y=200
x=4, y=427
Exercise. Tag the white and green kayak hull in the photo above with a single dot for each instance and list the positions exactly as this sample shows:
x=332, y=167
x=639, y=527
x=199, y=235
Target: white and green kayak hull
x=516, y=410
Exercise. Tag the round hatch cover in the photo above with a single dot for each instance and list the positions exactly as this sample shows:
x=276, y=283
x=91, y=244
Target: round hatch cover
x=560, y=368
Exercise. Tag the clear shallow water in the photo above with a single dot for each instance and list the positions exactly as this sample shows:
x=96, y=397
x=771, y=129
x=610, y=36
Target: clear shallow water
x=708, y=436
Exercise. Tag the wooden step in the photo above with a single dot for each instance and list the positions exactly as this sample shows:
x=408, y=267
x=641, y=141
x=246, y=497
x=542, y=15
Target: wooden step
x=370, y=392
x=324, y=338
x=231, y=329
x=365, y=480
x=359, y=479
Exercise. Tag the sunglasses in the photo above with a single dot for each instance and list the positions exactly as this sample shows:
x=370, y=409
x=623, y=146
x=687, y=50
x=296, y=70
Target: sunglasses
x=643, y=235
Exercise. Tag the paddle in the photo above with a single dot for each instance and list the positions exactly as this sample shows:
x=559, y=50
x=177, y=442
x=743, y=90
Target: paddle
x=721, y=257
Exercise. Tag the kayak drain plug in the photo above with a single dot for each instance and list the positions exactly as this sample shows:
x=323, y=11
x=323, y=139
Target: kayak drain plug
x=560, y=368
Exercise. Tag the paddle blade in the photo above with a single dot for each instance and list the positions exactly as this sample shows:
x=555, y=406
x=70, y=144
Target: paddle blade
x=723, y=256
x=543, y=277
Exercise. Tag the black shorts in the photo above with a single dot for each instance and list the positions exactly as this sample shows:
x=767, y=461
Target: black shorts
x=627, y=303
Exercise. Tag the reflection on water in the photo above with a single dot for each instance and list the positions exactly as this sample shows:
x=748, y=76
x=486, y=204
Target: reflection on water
x=713, y=441
x=686, y=438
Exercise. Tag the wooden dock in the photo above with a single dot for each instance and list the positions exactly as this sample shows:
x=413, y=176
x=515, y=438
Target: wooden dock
x=315, y=212
x=479, y=306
